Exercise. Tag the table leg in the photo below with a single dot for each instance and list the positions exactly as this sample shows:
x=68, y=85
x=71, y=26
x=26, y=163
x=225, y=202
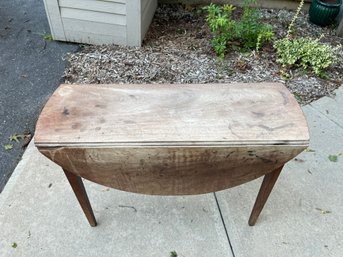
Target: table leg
x=81, y=195
x=266, y=187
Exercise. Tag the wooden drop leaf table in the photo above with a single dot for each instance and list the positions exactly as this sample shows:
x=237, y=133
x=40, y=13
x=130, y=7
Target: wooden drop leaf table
x=171, y=139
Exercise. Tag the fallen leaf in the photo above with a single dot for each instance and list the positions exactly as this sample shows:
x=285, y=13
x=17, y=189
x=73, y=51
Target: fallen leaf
x=14, y=245
x=323, y=211
x=14, y=137
x=17, y=137
x=309, y=150
x=333, y=157
x=173, y=254
x=241, y=65
x=299, y=160
x=8, y=147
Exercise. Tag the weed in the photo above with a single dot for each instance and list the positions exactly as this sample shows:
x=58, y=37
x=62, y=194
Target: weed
x=47, y=37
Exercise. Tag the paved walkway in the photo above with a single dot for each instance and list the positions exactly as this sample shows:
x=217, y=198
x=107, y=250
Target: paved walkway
x=303, y=216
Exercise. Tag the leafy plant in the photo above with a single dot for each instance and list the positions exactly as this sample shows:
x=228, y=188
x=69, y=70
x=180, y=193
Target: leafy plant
x=305, y=53
x=248, y=31
x=221, y=25
x=264, y=36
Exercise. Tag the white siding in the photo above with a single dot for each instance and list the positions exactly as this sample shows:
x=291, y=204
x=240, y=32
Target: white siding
x=123, y=22
x=115, y=1
x=54, y=17
x=98, y=6
x=94, y=38
x=93, y=16
x=94, y=27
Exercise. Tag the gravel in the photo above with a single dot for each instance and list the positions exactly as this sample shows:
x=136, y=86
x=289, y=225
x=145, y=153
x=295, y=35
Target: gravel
x=177, y=50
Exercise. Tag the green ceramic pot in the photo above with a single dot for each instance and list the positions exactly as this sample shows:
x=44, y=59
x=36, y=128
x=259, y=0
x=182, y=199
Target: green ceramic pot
x=324, y=13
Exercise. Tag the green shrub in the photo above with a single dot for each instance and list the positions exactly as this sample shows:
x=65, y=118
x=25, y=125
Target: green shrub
x=248, y=31
x=305, y=53
x=221, y=25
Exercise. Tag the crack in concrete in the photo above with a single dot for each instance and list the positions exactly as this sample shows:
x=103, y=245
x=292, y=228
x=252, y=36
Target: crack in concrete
x=222, y=219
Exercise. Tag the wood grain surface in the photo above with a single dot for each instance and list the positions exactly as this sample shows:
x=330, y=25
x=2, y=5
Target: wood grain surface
x=171, y=170
x=177, y=115
x=171, y=139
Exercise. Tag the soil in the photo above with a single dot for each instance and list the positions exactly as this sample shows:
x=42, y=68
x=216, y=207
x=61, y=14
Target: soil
x=177, y=49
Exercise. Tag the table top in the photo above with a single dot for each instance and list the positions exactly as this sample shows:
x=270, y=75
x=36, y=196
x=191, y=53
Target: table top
x=171, y=115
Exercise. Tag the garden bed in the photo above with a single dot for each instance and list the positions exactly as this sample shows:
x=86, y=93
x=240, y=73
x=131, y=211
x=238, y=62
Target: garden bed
x=177, y=49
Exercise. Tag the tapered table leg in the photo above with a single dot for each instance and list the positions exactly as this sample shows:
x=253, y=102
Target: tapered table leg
x=266, y=187
x=81, y=195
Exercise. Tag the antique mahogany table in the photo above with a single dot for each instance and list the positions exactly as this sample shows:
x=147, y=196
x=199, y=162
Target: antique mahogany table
x=171, y=139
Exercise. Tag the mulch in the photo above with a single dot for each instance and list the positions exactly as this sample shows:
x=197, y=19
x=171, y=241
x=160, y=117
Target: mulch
x=177, y=50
